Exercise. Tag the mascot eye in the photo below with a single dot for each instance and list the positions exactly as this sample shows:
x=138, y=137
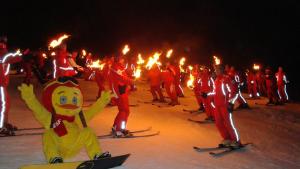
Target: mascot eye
x=63, y=100
x=74, y=100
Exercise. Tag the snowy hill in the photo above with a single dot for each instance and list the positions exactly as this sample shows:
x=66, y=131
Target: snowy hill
x=275, y=132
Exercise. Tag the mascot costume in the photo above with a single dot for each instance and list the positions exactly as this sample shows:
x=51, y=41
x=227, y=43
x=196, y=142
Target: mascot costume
x=60, y=113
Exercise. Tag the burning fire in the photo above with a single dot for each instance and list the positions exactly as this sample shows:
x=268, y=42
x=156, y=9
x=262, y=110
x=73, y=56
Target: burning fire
x=137, y=72
x=53, y=53
x=190, y=82
x=83, y=52
x=217, y=60
x=256, y=67
x=44, y=55
x=57, y=42
x=140, y=60
x=181, y=63
x=153, y=60
x=125, y=50
x=169, y=53
x=190, y=67
x=96, y=64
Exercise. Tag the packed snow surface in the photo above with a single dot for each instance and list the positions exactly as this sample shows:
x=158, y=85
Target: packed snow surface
x=274, y=130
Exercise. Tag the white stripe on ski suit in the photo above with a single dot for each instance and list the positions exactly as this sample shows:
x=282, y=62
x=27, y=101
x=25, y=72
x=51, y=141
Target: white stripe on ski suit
x=232, y=125
x=3, y=102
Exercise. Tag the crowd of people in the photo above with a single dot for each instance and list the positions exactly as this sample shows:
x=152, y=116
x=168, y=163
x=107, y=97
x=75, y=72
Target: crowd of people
x=216, y=91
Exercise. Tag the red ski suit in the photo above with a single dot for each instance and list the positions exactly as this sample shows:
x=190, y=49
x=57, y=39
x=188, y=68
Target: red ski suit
x=281, y=85
x=206, y=86
x=155, y=82
x=222, y=95
x=252, y=85
x=261, y=83
x=62, y=66
x=178, y=88
x=168, y=79
x=119, y=86
x=271, y=88
x=5, y=61
x=100, y=80
x=197, y=87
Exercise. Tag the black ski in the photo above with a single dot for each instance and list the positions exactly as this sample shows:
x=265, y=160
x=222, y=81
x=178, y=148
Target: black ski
x=192, y=111
x=21, y=134
x=201, y=121
x=227, y=150
x=132, y=132
x=131, y=136
x=198, y=149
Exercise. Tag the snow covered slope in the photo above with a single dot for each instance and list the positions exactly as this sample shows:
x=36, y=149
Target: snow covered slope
x=275, y=132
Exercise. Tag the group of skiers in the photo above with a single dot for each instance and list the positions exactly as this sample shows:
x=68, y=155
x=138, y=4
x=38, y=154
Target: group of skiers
x=216, y=93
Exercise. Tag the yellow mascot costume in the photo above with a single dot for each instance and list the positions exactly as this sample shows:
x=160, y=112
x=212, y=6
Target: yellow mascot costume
x=63, y=119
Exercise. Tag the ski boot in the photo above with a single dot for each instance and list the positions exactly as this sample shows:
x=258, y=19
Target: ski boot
x=201, y=108
x=121, y=133
x=56, y=160
x=99, y=156
x=11, y=127
x=155, y=100
x=225, y=143
x=235, y=145
x=209, y=119
x=243, y=106
x=7, y=132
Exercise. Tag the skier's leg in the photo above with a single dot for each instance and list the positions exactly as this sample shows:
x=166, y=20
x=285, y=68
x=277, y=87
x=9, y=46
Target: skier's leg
x=229, y=125
x=158, y=90
x=152, y=90
x=88, y=138
x=219, y=120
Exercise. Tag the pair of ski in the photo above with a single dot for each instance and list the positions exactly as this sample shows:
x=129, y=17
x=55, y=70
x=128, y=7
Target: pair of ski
x=201, y=121
x=106, y=136
x=220, y=150
x=192, y=111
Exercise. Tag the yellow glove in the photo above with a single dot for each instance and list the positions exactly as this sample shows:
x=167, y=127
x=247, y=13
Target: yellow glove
x=105, y=97
x=26, y=91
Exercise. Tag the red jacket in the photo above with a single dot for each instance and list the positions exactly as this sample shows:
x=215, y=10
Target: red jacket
x=281, y=78
x=154, y=76
x=206, y=83
x=62, y=66
x=5, y=66
x=167, y=77
x=222, y=91
x=118, y=77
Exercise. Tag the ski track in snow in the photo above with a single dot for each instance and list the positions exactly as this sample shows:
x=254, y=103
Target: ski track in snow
x=275, y=132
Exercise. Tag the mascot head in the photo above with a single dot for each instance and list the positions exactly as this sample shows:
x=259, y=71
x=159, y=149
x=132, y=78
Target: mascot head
x=63, y=96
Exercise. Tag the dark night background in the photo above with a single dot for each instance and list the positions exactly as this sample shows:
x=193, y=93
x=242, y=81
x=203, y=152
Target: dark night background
x=241, y=32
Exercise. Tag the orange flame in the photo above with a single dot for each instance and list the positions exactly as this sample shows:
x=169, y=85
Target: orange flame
x=44, y=55
x=153, y=60
x=190, y=82
x=217, y=60
x=181, y=63
x=96, y=64
x=137, y=72
x=256, y=66
x=125, y=50
x=140, y=60
x=53, y=53
x=57, y=42
x=190, y=67
x=169, y=53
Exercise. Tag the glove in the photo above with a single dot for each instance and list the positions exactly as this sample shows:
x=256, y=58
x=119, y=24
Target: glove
x=204, y=95
x=230, y=107
x=26, y=91
x=105, y=97
x=122, y=89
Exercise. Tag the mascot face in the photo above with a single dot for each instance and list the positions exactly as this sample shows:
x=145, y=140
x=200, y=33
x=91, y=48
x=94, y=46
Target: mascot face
x=67, y=100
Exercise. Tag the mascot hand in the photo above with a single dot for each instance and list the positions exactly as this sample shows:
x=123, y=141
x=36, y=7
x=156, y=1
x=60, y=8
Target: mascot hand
x=26, y=91
x=105, y=97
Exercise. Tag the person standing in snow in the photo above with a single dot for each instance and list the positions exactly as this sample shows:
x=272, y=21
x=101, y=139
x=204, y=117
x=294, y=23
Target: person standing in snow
x=271, y=87
x=197, y=86
x=5, y=60
x=120, y=86
x=252, y=85
x=168, y=76
x=223, y=103
x=155, y=83
x=281, y=85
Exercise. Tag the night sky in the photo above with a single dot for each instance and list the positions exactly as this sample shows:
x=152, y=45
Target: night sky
x=240, y=32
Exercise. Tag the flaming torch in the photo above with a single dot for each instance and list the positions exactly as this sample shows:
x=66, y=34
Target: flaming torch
x=57, y=42
x=190, y=82
x=96, y=65
x=83, y=53
x=137, y=72
x=53, y=54
x=153, y=60
x=169, y=53
x=44, y=55
x=125, y=50
x=256, y=67
x=217, y=60
x=181, y=63
x=140, y=60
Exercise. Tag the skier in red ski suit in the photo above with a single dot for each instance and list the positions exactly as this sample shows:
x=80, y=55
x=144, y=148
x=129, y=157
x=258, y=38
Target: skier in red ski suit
x=271, y=87
x=236, y=92
x=155, y=83
x=281, y=85
x=223, y=102
x=261, y=83
x=130, y=69
x=197, y=87
x=62, y=66
x=167, y=76
x=5, y=60
x=206, y=86
x=177, y=77
x=252, y=85
x=119, y=86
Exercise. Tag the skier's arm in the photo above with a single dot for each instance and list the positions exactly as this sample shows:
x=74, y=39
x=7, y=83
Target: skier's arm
x=98, y=106
x=39, y=111
x=121, y=77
